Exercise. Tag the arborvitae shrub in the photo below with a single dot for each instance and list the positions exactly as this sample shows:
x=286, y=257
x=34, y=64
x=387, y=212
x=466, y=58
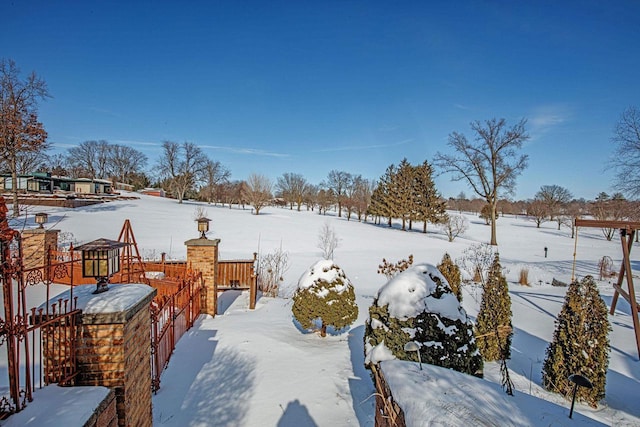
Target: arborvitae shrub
x=493, y=328
x=324, y=298
x=580, y=343
x=418, y=305
x=451, y=272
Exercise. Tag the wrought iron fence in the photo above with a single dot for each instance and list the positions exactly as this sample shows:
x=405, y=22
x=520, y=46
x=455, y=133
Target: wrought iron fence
x=171, y=316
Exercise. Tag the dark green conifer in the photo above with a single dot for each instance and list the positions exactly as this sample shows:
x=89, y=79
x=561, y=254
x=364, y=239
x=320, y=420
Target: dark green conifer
x=325, y=303
x=451, y=272
x=580, y=343
x=493, y=326
x=445, y=339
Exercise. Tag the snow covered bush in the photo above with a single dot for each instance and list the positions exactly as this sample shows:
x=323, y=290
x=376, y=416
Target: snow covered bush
x=418, y=305
x=325, y=297
x=580, y=343
x=493, y=325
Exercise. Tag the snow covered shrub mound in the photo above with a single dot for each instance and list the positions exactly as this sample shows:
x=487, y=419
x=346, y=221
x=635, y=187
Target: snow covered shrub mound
x=325, y=297
x=418, y=305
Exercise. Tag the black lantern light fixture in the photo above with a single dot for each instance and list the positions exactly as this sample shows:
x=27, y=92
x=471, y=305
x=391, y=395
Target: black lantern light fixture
x=101, y=259
x=203, y=226
x=41, y=219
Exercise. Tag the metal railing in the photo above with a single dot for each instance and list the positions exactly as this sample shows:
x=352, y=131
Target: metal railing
x=172, y=316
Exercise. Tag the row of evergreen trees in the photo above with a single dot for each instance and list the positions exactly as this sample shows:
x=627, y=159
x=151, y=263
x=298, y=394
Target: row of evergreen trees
x=407, y=193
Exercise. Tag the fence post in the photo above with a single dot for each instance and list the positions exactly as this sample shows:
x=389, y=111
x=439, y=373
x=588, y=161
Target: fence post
x=202, y=255
x=114, y=348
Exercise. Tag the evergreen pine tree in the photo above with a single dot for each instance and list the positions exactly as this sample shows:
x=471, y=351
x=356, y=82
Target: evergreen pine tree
x=493, y=328
x=428, y=205
x=402, y=194
x=580, y=343
x=451, y=272
x=325, y=298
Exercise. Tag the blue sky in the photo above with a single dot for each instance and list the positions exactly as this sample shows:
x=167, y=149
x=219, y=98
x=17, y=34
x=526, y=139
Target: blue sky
x=306, y=87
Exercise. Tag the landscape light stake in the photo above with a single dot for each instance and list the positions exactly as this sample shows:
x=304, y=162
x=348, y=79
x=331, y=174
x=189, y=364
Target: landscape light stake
x=413, y=346
x=577, y=380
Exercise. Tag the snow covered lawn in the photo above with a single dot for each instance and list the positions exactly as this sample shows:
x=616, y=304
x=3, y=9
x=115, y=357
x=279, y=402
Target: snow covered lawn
x=256, y=368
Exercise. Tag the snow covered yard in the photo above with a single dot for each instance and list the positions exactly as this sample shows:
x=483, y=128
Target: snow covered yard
x=256, y=368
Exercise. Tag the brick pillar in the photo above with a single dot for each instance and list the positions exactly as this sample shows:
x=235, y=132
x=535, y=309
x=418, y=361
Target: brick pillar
x=114, y=347
x=35, y=244
x=202, y=255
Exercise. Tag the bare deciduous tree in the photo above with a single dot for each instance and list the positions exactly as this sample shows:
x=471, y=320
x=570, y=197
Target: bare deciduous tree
x=20, y=130
x=214, y=175
x=337, y=183
x=183, y=165
x=538, y=211
x=125, y=162
x=454, y=226
x=292, y=188
x=626, y=139
x=89, y=159
x=328, y=241
x=490, y=163
x=556, y=199
x=257, y=191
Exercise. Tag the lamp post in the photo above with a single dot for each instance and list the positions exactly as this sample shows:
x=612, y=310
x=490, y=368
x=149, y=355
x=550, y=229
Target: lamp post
x=41, y=219
x=203, y=226
x=413, y=346
x=101, y=259
x=577, y=380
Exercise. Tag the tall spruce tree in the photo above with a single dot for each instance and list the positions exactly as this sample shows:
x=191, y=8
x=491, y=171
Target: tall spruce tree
x=493, y=327
x=381, y=205
x=428, y=206
x=402, y=195
x=580, y=343
x=451, y=272
x=325, y=297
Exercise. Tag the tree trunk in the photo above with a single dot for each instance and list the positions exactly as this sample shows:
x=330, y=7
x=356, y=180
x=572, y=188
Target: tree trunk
x=323, y=330
x=494, y=241
x=424, y=227
x=14, y=190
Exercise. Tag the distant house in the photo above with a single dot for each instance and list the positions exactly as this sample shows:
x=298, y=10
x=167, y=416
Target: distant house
x=123, y=186
x=47, y=183
x=37, y=182
x=158, y=192
x=92, y=186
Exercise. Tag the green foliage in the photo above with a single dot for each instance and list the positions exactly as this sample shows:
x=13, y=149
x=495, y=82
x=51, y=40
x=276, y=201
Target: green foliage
x=580, y=343
x=327, y=304
x=451, y=272
x=443, y=341
x=408, y=193
x=390, y=269
x=493, y=327
x=485, y=214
